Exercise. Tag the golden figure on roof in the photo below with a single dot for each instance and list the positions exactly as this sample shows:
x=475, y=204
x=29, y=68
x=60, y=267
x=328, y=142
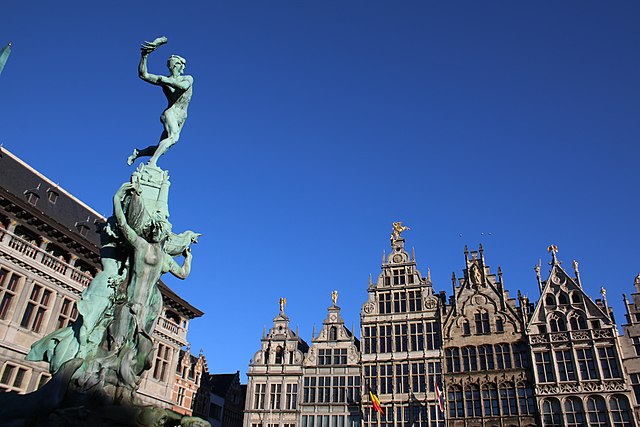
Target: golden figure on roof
x=334, y=297
x=398, y=228
x=283, y=302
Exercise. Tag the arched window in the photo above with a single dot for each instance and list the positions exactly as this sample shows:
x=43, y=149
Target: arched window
x=333, y=333
x=469, y=359
x=576, y=298
x=526, y=400
x=551, y=413
x=485, y=354
x=279, y=354
x=563, y=298
x=577, y=322
x=266, y=356
x=557, y=324
x=597, y=412
x=490, y=400
x=474, y=403
x=456, y=404
x=503, y=356
x=620, y=411
x=508, y=401
x=550, y=299
x=574, y=413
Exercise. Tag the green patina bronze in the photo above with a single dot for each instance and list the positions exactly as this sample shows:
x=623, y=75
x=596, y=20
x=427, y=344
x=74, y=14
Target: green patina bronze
x=98, y=361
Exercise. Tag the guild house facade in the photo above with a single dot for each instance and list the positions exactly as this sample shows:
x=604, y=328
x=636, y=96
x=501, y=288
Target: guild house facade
x=477, y=357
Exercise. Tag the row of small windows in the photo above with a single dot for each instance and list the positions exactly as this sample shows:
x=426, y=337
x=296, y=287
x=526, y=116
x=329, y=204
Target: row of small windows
x=482, y=324
x=33, y=197
x=400, y=301
x=401, y=276
x=336, y=389
x=567, y=365
x=595, y=413
x=486, y=357
x=562, y=299
x=336, y=356
x=414, y=377
x=412, y=414
x=276, y=398
x=490, y=400
x=352, y=420
x=16, y=378
x=411, y=336
x=38, y=306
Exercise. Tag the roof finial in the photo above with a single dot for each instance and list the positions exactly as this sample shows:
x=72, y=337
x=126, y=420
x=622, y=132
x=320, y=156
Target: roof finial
x=428, y=275
x=398, y=228
x=553, y=249
x=283, y=302
x=334, y=297
x=413, y=253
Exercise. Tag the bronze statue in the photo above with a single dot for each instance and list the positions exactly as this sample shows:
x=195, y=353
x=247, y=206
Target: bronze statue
x=178, y=90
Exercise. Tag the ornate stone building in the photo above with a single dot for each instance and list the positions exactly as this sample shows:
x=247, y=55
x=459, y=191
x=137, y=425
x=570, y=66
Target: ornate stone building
x=275, y=377
x=487, y=375
x=48, y=256
x=331, y=376
x=630, y=343
x=500, y=361
x=579, y=376
x=402, y=345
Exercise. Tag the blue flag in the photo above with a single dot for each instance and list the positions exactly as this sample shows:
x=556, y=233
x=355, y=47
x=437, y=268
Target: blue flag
x=4, y=55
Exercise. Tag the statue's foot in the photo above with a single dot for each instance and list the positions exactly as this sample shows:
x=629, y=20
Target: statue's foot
x=132, y=158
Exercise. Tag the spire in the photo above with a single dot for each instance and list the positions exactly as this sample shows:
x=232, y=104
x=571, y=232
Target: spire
x=370, y=280
x=428, y=275
x=575, y=269
x=413, y=253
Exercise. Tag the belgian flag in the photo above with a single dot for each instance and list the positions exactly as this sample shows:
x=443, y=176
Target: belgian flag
x=375, y=402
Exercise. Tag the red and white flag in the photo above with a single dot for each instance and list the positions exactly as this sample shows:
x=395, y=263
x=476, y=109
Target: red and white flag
x=439, y=395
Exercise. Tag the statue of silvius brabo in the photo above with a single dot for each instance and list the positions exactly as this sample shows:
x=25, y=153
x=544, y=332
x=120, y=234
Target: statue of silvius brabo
x=98, y=361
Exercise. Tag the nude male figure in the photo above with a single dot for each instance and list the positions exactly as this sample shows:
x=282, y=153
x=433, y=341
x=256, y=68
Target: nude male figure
x=177, y=88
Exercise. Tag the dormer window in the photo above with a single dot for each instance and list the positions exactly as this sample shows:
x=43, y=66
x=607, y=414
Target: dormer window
x=399, y=276
x=333, y=333
x=279, y=354
x=53, y=196
x=32, y=198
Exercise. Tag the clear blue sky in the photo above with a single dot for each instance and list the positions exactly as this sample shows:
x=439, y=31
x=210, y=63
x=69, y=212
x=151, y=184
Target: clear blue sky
x=314, y=125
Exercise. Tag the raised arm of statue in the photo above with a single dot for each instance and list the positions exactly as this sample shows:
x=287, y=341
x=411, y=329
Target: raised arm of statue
x=128, y=232
x=172, y=266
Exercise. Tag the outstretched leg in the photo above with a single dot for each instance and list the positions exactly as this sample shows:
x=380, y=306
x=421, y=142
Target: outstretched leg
x=172, y=133
x=146, y=152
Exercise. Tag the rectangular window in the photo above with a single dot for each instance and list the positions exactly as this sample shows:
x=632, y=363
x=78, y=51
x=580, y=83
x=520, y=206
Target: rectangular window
x=586, y=364
x=370, y=339
x=415, y=301
x=259, y=396
x=14, y=378
x=275, y=395
x=544, y=366
x=608, y=362
x=180, y=396
x=416, y=341
x=8, y=289
x=400, y=337
x=386, y=339
x=163, y=359
x=482, y=323
x=418, y=378
x=68, y=312
x=324, y=356
x=432, y=332
x=37, y=307
x=399, y=276
x=635, y=384
x=340, y=356
x=399, y=302
x=402, y=378
x=566, y=372
x=433, y=375
x=634, y=340
x=371, y=377
x=384, y=302
x=386, y=378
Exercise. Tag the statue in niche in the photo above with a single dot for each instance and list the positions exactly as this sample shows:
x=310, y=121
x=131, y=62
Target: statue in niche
x=178, y=89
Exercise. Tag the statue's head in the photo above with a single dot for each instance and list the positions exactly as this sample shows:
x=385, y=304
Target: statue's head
x=157, y=229
x=176, y=63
